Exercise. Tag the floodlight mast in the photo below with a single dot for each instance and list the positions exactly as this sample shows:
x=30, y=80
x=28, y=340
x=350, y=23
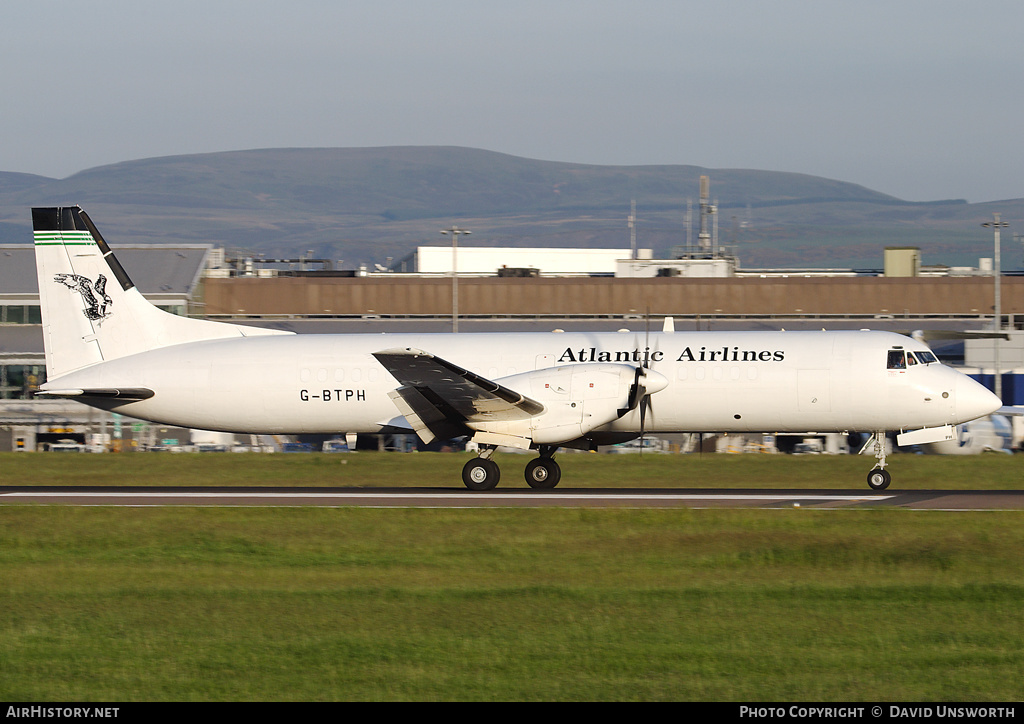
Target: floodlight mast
x=455, y=231
x=996, y=225
x=632, y=229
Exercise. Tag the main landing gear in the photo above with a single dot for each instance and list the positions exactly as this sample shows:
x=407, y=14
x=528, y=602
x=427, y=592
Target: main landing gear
x=878, y=478
x=543, y=471
x=482, y=473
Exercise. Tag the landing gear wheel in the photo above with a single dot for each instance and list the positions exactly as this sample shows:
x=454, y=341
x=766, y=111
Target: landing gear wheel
x=543, y=473
x=879, y=479
x=481, y=474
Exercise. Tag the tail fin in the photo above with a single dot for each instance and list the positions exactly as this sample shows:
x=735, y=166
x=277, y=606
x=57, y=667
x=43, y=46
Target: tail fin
x=91, y=310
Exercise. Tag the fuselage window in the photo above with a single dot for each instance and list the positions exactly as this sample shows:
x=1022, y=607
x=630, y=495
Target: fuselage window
x=896, y=360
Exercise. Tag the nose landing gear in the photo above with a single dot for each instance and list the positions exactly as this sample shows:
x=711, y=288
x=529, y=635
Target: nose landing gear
x=878, y=478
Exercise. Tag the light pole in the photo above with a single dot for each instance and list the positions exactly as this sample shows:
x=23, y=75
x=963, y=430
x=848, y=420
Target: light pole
x=455, y=231
x=996, y=225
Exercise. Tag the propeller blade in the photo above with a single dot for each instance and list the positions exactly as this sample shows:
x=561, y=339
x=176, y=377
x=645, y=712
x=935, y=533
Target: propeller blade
x=636, y=392
x=647, y=338
x=646, y=405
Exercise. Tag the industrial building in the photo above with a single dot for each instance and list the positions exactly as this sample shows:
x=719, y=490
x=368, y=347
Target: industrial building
x=686, y=297
x=513, y=261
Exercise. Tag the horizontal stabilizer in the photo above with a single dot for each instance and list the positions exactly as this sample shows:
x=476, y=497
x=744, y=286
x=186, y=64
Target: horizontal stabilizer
x=120, y=393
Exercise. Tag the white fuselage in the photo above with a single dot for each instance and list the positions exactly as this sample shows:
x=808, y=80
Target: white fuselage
x=717, y=381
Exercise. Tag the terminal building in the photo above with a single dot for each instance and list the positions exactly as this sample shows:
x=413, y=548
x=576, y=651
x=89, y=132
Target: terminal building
x=500, y=289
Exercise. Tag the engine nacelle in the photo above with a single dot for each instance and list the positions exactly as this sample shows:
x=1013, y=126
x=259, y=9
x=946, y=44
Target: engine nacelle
x=577, y=399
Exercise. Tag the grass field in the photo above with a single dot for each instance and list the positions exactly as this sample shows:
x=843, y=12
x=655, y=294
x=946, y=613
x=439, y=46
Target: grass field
x=239, y=604
x=368, y=469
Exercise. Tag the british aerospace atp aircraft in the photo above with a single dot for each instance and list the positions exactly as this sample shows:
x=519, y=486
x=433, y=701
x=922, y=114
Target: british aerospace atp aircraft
x=106, y=346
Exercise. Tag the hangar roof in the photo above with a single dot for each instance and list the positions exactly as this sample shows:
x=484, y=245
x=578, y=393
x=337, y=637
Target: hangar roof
x=161, y=272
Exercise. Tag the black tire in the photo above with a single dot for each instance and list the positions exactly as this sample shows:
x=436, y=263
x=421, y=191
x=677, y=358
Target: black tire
x=480, y=474
x=879, y=479
x=543, y=473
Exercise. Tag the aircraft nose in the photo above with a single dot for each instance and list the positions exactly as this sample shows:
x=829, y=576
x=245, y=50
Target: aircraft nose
x=973, y=400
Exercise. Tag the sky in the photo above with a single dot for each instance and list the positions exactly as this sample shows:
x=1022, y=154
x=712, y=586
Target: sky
x=919, y=99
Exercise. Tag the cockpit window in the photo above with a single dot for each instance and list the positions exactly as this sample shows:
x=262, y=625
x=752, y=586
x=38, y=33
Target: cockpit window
x=926, y=357
x=897, y=361
x=911, y=359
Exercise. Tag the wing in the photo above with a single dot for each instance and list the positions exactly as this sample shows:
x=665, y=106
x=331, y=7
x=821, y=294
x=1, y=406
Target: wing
x=438, y=398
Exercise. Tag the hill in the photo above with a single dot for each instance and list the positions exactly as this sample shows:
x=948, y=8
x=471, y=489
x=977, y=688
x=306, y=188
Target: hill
x=365, y=205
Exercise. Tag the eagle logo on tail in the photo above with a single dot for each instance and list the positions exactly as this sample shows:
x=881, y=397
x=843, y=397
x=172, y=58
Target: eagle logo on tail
x=97, y=303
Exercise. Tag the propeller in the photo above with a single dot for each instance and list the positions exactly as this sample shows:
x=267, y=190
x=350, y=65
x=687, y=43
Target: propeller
x=645, y=401
x=646, y=382
x=637, y=391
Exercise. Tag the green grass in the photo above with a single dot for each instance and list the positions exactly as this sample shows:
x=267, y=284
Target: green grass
x=107, y=604
x=369, y=469
x=271, y=604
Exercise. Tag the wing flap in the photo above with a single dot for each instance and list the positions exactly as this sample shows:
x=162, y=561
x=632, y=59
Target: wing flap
x=427, y=420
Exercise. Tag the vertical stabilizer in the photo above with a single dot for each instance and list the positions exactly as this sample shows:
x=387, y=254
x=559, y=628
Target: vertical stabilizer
x=91, y=310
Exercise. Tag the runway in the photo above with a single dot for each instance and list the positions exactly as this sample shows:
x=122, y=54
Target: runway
x=949, y=500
